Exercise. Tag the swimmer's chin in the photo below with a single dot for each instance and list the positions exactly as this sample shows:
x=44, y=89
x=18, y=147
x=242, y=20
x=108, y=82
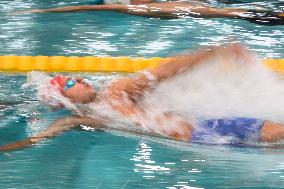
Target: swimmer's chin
x=86, y=100
x=92, y=98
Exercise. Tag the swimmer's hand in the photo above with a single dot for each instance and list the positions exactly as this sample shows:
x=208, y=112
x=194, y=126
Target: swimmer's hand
x=235, y=51
x=29, y=11
x=20, y=144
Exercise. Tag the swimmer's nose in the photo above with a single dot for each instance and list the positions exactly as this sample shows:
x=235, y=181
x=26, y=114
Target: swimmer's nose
x=82, y=81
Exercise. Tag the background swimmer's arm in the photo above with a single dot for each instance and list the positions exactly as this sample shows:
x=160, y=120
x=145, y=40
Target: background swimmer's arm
x=164, y=12
x=159, y=10
x=109, y=7
x=171, y=10
x=141, y=2
x=55, y=128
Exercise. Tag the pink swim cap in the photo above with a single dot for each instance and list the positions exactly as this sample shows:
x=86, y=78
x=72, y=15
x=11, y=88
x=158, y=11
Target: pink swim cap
x=51, y=94
x=55, y=82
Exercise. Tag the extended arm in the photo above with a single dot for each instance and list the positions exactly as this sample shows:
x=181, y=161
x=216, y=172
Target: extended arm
x=55, y=128
x=123, y=94
x=180, y=63
x=110, y=7
x=168, y=10
x=171, y=10
x=183, y=62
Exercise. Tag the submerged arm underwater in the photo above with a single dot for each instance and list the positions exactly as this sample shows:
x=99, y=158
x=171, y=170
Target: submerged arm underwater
x=57, y=127
x=64, y=124
x=173, y=10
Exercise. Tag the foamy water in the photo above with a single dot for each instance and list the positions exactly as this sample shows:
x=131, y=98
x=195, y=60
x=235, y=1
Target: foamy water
x=224, y=87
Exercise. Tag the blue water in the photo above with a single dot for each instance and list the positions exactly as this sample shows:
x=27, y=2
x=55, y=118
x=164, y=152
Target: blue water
x=89, y=159
x=113, y=34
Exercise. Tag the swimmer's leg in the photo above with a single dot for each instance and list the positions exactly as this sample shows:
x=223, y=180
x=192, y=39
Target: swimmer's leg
x=272, y=132
x=174, y=126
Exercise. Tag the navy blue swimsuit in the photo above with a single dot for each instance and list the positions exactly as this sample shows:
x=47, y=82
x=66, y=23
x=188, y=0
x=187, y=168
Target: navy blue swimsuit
x=241, y=129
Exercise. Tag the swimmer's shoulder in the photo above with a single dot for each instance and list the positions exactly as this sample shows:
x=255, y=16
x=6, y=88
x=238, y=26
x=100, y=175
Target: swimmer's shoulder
x=116, y=88
x=126, y=88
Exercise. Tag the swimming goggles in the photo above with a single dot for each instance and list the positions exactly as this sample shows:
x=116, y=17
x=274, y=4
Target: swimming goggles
x=69, y=83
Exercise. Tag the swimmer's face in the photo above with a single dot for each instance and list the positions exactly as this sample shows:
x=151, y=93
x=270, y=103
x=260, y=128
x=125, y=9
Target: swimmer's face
x=77, y=90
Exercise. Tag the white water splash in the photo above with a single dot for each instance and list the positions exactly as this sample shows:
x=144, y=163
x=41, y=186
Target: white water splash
x=224, y=86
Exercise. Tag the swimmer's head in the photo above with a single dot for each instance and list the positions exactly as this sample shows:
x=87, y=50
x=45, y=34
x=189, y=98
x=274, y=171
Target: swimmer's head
x=75, y=89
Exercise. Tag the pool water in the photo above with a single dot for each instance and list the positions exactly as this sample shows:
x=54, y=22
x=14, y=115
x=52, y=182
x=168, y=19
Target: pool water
x=113, y=34
x=92, y=159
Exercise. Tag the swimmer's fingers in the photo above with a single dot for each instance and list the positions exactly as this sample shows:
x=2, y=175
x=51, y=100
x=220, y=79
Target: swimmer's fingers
x=236, y=51
x=27, y=12
x=240, y=52
x=235, y=48
x=20, y=144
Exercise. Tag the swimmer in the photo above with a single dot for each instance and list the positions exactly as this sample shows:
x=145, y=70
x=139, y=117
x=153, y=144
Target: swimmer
x=173, y=10
x=124, y=96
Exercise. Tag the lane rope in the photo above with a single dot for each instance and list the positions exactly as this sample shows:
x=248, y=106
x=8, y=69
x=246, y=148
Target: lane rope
x=92, y=64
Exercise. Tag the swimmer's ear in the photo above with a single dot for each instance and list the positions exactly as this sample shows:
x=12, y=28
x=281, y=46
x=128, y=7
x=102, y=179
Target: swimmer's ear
x=72, y=100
